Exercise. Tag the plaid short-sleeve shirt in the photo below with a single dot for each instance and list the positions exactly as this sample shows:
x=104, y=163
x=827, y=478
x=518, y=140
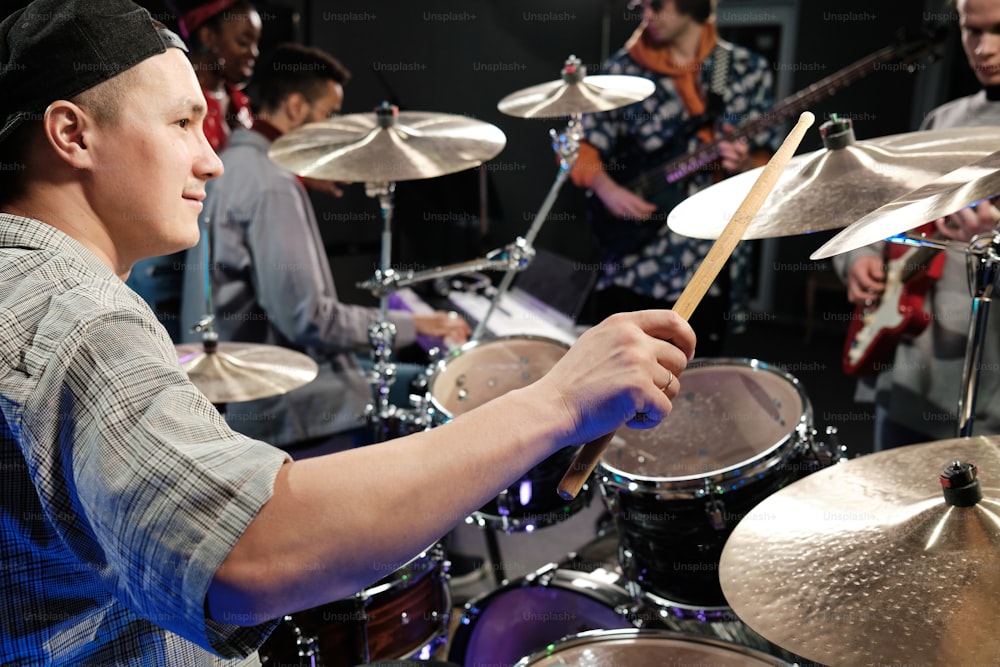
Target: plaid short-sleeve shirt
x=122, y=489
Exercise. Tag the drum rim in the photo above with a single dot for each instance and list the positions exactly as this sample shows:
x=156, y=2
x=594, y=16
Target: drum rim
x=434, y=554
x=551, y=575
x=610, y=476
x=548, y=576
x=529, y=522
x=442, y=363
x=587, y=637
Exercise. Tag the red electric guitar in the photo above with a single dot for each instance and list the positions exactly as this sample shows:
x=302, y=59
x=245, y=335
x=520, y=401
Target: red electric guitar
x=876, y=329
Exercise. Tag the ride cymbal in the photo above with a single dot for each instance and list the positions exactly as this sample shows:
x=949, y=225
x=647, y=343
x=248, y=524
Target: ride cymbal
x=943, y=196
x=576, y=93
x=835, y=186
x=233, y=372
x=387, y=146
x=878, y=560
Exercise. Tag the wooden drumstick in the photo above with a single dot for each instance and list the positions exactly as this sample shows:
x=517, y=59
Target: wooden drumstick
x=589, y=455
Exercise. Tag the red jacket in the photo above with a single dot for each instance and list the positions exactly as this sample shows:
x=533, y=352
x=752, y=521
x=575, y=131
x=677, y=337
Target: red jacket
x=217, y=121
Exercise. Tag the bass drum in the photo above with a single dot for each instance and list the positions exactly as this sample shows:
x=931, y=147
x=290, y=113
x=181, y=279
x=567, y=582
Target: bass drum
x=646, y=648
x=511, y=622
x=477, y=373
x=402, y=616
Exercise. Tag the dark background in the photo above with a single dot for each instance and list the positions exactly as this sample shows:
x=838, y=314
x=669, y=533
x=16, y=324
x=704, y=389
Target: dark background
x=457, y=57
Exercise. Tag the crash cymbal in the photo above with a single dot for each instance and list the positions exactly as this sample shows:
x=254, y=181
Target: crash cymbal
x=576, y=93
x=866, y=562
x=233, y=372
x=835, y=186
x=387, y=145
x=943, y=196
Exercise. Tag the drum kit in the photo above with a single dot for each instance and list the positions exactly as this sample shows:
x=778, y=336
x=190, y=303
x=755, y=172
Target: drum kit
x=739, y=536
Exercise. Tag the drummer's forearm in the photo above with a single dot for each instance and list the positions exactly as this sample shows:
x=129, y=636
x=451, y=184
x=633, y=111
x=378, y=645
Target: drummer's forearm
x=302, y=548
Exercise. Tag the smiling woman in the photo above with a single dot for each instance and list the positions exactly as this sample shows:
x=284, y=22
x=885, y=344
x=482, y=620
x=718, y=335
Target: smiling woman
x=223, y=36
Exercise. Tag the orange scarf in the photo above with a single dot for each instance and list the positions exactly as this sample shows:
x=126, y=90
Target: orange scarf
x=687, y=78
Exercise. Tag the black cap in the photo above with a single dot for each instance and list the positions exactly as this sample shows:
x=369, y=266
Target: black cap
x=56, y=49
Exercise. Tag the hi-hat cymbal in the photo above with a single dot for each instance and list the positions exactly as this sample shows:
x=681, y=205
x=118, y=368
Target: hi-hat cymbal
x=943, y=196
x=833, y=187
x=234, y=372
x=387, y=146
x=866, y=563
x=576, y=93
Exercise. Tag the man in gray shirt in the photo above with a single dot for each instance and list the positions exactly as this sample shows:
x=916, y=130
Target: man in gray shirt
x=917, y=394
x=271, y=280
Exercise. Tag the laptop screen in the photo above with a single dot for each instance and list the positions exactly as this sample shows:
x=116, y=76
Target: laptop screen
x=557, y=281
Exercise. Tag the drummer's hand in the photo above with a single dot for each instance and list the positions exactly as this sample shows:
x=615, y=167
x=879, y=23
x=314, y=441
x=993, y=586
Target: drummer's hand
x=616, y=372
x=446, y=325
x=619, y=201
x=865, y=280
x=968, y=222
x=333, y=188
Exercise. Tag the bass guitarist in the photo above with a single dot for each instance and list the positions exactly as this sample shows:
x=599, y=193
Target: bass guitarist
x=703, y=84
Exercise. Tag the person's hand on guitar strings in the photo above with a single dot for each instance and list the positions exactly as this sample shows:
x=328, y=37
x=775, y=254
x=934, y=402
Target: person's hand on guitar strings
x=735, y=155
x=620, y=201
x=980, y=218
x=865, y=280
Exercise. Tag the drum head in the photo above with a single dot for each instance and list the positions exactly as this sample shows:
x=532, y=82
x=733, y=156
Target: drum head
x=505, y=625
x=646, y=648
x=728, y=413
x=481, y=371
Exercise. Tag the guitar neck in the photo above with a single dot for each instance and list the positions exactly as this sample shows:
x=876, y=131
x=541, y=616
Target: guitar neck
x=916, y=260
x=683, y=166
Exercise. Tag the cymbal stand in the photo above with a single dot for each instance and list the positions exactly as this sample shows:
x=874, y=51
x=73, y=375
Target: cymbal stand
x=983, y=265
x=382, y=334
x=206, y=325
x=567, y=148
x=513, y=256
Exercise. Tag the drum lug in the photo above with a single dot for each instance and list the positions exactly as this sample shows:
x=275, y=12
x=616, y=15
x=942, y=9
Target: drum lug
x=307, y=645
x=829, y=451
x=504, y=503
x=716, y=511
x=806, y=437
x=542, y=575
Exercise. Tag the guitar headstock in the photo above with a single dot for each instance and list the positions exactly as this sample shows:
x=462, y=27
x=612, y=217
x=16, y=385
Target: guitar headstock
x=909, y=49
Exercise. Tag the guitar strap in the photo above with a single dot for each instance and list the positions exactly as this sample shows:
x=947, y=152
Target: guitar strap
x=721, y=56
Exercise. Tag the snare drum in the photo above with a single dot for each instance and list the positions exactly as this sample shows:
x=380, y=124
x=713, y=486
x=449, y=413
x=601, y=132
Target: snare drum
x=739, y=431
x=477, y=373
x=646, y=648
x=402, y=616
x=504, y=625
